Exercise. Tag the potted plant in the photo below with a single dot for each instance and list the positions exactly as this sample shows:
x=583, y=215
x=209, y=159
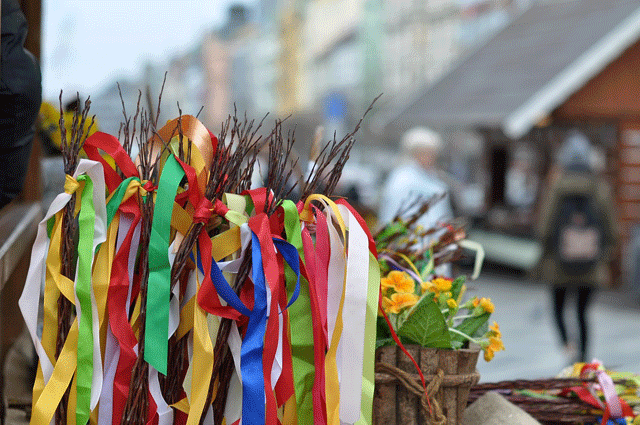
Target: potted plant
x=427, y=324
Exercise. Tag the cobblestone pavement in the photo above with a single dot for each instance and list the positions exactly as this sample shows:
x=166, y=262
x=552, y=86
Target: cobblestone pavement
x=533, y=350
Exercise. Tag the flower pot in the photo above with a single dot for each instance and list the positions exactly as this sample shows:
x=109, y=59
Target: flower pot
x=399, y=396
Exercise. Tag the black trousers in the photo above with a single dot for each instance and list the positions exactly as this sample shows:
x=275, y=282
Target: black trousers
x=584, y=296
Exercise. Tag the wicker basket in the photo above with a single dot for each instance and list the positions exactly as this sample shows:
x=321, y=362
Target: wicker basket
x=399, y=396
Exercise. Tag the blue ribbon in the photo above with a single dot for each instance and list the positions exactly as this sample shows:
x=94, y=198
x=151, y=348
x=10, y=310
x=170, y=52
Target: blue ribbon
x=291, y=256
x=253, y=391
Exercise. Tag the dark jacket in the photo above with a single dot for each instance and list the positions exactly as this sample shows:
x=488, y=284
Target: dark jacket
x=576, y=182
x=20, y=98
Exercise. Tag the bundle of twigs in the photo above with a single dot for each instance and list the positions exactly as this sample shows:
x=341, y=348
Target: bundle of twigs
x=231, y=171
x=548, y=410
x=280, y=184
x=135, y=411
x=279, y=174
x=402, y=238
x=70, y=149
x=330, y=160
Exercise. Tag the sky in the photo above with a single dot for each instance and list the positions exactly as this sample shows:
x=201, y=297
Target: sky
x=89, y=43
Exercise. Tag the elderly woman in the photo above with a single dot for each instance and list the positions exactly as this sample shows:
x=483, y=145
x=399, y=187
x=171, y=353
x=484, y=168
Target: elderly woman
x=416, y=175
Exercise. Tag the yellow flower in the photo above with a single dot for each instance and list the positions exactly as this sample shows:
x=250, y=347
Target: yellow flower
x=452, y=303
x=476, y=301
x=400, y=301
x=385, y=284
x=398, y=281
x=441, y=284
x=487, y=305
x=386, y=302
x=426, y=286
x=488, y=354
x=495, y=329
x=496, y=343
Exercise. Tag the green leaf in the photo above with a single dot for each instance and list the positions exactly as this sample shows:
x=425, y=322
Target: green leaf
x=470, y=326
x=383, y=342
x=382, y=328
x=481, y=330
x=426, y=325
x=457, y=345
x=456, y=286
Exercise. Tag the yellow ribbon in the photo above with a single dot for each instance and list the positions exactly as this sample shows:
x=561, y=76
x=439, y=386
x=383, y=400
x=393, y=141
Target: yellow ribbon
x=70, y=184
x=225, y=243
x=50, y=319
x=65, y=367
x=237, y=205
x=202, y=362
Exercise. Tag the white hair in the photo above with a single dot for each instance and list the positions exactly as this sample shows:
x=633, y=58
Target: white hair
x=421, y=137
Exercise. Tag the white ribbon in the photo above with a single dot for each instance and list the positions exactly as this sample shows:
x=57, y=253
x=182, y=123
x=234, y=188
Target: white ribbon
x=233, y=406
x=335, y=278
x=32, y=292
x=165, y=413
x=354, y=312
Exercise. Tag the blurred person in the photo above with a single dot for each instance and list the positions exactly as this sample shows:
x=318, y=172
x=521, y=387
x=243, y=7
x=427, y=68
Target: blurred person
x=417, y=175
x=578, y=232
x=20, y=97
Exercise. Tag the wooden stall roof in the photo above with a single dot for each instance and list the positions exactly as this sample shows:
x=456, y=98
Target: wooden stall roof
x=528, y=69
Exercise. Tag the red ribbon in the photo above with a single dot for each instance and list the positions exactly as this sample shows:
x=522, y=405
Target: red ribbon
x=319, y=332
x=111, y=146
x=404, y=350
x=203, y=211
x=260, y=225
x=193, y=192
x=284, y=388
x=220, y=208
x=118, y=314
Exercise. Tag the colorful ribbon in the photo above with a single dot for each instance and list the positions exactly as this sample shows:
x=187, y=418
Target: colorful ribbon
x=313, y=269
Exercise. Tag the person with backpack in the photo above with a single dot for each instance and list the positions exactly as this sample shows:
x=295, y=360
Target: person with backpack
x=578, y=231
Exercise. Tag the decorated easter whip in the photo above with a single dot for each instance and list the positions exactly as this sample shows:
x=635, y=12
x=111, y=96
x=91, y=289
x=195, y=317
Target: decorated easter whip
x=70, y=148
x=135, y=411
x=279, y=174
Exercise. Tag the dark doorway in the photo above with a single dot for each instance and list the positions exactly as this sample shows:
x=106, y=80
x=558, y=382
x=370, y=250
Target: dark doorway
x=499, y=161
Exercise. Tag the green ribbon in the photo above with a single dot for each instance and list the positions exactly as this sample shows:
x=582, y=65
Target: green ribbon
x=156, y=331
x=368, y=367
x=86, y=224
x=116, y=199
x=300, y=320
